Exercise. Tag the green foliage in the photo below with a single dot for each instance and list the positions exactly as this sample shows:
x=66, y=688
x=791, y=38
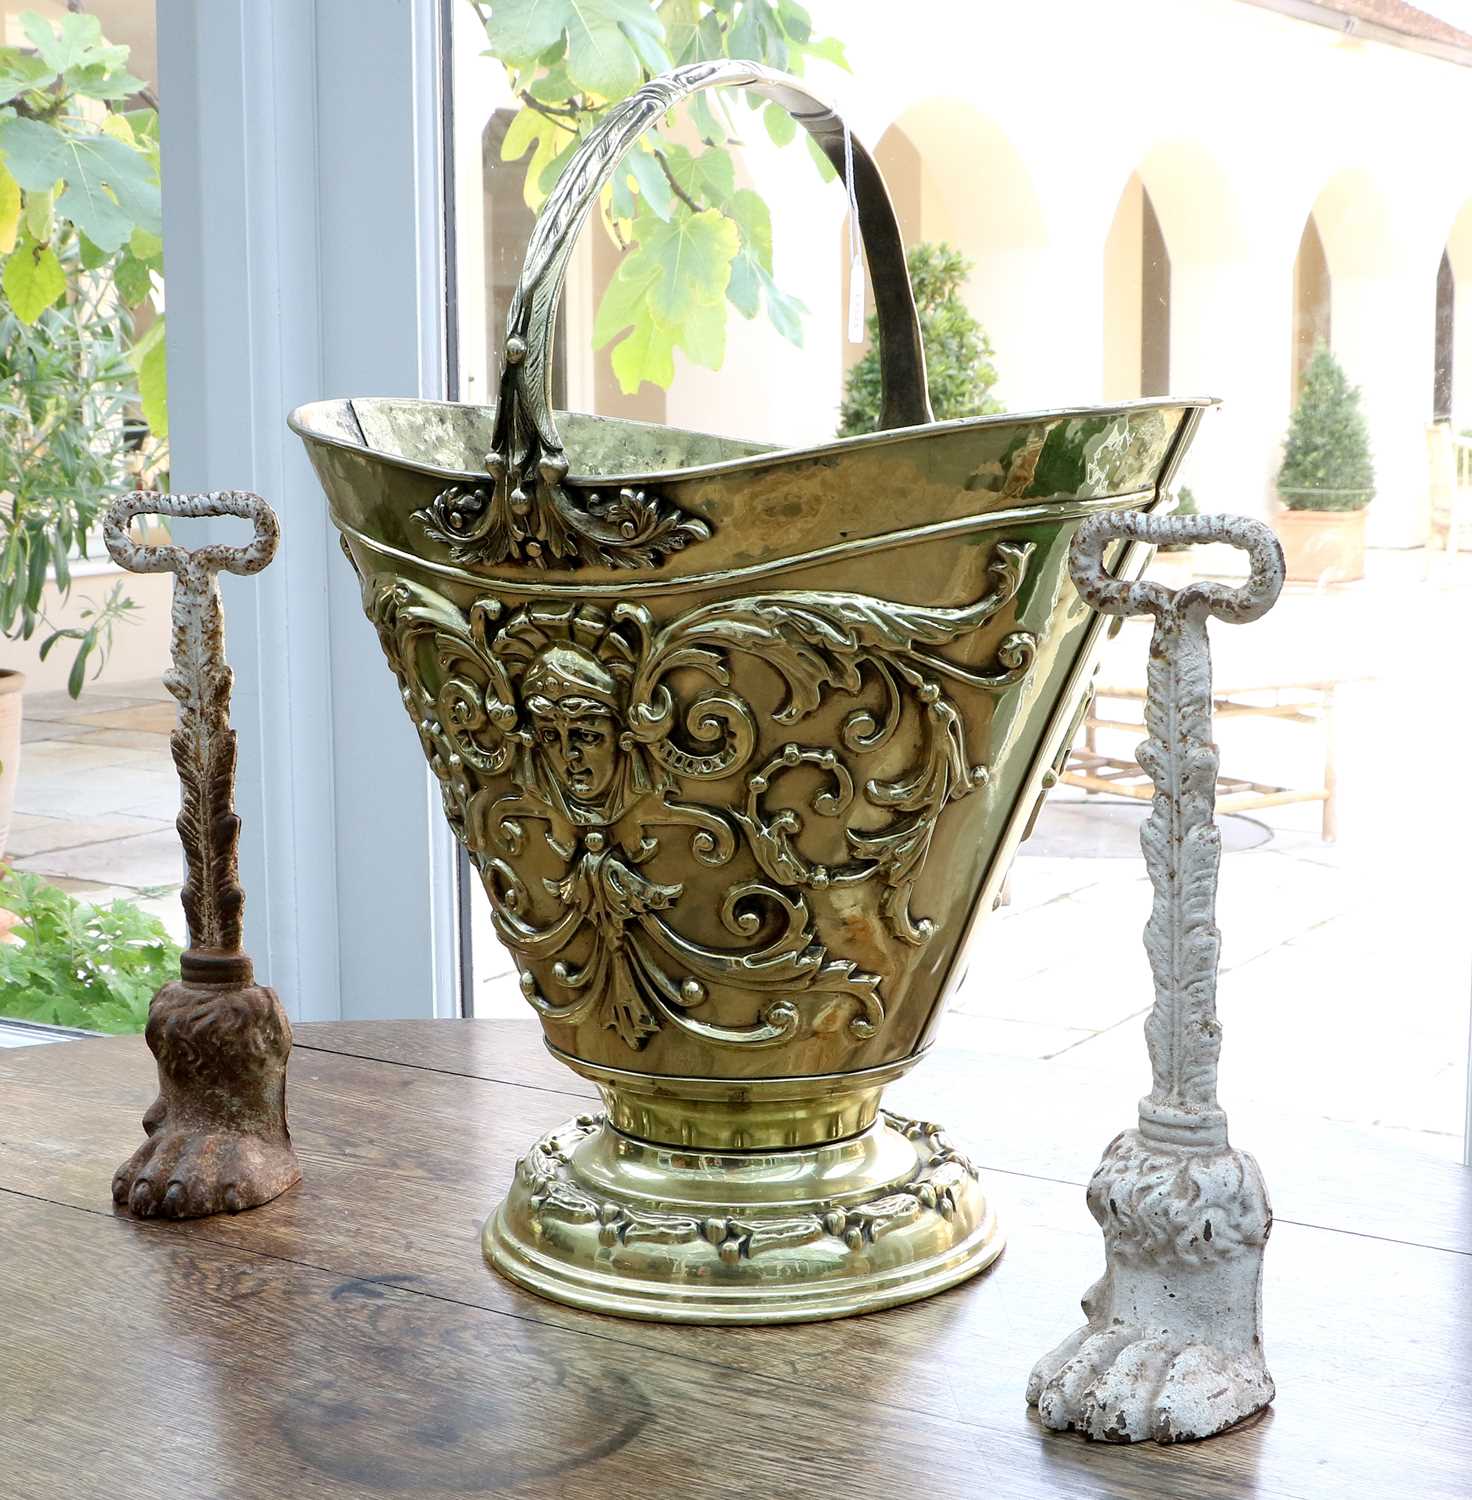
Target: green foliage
x=958, y=355
x=93, y=967
x=79, y=229
x=108, y=186
x=32, y=279
x=148, y=361
x=699, y=244
x=669, y=292
x=67, y=386
x=1326, y=461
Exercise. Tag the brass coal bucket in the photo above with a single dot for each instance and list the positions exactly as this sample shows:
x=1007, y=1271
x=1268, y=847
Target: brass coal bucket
x=741, y=742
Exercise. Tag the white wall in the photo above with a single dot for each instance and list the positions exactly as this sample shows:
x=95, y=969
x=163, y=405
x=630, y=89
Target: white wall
x=1029, y=121
x=140, y=642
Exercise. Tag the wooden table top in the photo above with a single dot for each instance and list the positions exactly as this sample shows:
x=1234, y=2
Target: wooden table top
x=348, y=1341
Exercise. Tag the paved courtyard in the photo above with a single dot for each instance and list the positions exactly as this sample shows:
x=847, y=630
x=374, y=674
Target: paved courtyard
x=97, y=797
x=1346, y=967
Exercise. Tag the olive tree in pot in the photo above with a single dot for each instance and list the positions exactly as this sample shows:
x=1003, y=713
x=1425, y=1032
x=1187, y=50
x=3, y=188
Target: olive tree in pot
x=81, y=341
x=1327, y=478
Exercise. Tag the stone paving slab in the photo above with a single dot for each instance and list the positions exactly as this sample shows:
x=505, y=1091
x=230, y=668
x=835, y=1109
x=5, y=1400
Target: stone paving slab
x=1036, y=880
x=498, y=995
x=1003, y=1038
x=59, y=707
x=151, y=688
x=31, y=834
x=34, y=731
x=1080, y=993
x=58, y=757
x=93, y=890
x=159, y=718
x=159, y=799
x=130, y=790
x=129, y=739
x=144, y=860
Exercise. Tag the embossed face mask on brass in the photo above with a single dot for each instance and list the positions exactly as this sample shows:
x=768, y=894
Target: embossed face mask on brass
x=741, y=743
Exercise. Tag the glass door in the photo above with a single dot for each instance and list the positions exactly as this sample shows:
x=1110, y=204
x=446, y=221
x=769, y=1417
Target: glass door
x=1318, y=280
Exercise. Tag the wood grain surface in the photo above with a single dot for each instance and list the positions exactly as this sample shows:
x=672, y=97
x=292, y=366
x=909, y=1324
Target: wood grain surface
x=347, y=1340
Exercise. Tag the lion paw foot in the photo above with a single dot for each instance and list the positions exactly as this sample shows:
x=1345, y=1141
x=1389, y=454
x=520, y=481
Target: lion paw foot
x=1116, y=1385
x=186, y=1175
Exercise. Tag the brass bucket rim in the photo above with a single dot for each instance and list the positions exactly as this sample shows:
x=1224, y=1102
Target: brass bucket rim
x=303, y=421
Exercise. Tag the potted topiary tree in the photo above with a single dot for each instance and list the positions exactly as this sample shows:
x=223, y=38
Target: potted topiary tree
x=1327, y=478
x=958, y=355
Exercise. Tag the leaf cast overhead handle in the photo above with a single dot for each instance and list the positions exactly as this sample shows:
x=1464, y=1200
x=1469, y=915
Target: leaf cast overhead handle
x=1115, y=596
x=191, y=564
x=1180, y=841
x=526, y=369
x=203, y=744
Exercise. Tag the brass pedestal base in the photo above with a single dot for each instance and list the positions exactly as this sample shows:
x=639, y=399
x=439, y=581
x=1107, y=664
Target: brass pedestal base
x=603, y=1221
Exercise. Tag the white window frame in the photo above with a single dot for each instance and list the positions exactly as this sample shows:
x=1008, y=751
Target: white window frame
x=304, y=219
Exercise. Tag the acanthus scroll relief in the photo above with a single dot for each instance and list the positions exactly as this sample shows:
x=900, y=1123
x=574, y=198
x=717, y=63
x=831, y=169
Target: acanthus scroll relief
x=535, y=520
x=939, y=1186
x=575, y=731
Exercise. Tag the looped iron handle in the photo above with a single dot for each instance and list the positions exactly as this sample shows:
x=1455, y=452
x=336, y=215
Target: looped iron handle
x=1114, y=596
x=198, y=563
x=526, y=364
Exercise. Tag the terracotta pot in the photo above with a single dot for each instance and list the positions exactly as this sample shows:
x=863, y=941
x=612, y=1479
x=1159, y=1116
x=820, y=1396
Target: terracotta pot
x=1322, y=546
x=12, y=685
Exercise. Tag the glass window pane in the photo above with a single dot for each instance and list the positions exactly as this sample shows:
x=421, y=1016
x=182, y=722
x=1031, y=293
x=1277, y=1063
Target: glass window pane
x=1310, y=272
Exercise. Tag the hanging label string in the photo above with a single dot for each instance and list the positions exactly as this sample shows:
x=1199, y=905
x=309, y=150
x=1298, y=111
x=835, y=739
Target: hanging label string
x=855, y=247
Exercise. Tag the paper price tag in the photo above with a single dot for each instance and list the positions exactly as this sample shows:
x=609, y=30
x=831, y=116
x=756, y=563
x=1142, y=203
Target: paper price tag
x=856, y=260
